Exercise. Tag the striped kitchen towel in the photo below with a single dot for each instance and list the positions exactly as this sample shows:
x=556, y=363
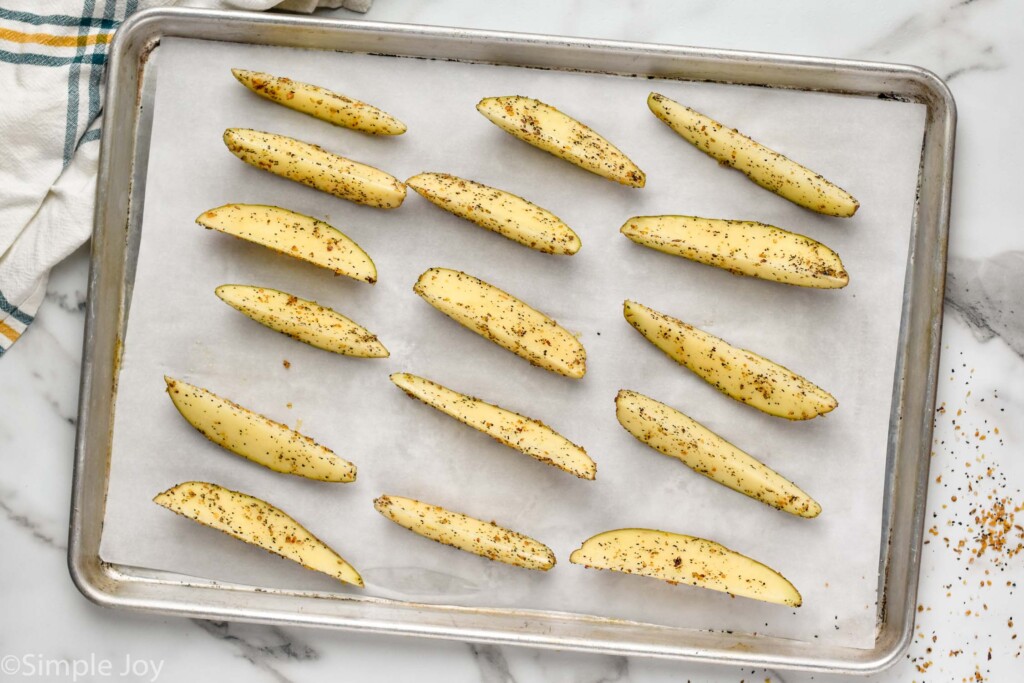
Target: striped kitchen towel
x=52, y=56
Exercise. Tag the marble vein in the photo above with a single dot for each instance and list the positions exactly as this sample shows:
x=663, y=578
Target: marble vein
x=260, y=645
x=988, y=296
x=27, y=524
x=492, y=663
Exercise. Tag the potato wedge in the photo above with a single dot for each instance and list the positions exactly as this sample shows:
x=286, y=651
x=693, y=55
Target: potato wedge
x=256, y=437
x=764, y=166
x=525, y=434
x=504, y=213
x=315, y=167
x=503, y=319
x=738, y=373
x=292, y=234
x=742, y=248
x=671, y=433
x=685, y=559
x=546, y=128
x=257, y=522
x=321, y=103
x=307, y=321
x=472, y=535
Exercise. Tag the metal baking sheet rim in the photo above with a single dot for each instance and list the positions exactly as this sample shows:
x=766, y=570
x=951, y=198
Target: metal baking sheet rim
x=120, y=193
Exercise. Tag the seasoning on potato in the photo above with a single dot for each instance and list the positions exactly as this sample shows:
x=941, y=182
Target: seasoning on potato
x=321, y=103
x=315, y=167
x=258, y=523
x=546, y=128
x=466, y=533
x=764, y=166
x=693, y=561
x=737, y=373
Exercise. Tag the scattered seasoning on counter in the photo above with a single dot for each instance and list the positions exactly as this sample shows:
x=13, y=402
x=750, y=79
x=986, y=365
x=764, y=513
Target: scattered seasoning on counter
x=976, y=518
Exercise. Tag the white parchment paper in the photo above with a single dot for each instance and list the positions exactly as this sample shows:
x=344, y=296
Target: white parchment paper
x=843, y=340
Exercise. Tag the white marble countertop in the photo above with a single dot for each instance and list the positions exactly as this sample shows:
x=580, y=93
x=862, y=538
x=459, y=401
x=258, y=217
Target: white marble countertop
x=970, y=604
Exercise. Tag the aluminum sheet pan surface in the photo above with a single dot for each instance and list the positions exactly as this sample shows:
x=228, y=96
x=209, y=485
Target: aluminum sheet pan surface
x=844, y=340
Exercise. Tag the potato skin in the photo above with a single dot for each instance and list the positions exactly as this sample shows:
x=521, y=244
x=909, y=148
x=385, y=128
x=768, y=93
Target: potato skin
x=255, y=437
x=320, y=103
x=315, y=167
x=258, y=523
x=524, y=434
x=304, y=320
x=676, y=435
x=742, y=248
x=546, y=128
x=466, y=533
x=766, y=167
x=737, y=373
x=292, y=234
x=502, y=212
x=503, y=319
x=678, y=558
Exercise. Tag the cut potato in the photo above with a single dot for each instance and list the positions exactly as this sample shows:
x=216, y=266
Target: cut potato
x=503, y=319
x=257, y=522
x=320, y=102
x=741, y=374
x=525, y=434
x=472, y=535
x=304, y=320
x=546, y=128
x=764, y=166
x=256, y=437
x=685, y=559
x=504, y=213
x=668, y=431
x=742, y=248
x=292, y=234
x=310, y=165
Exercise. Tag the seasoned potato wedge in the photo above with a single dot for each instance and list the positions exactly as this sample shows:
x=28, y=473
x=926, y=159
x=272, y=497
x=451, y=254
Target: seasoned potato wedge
x=256, y=522
x=525, y=434
x=292, y=234
x=504, y=213
x=472, y=535
x=503, y=319
x=320, y=102
x=310, y=165
x=671, y=433
x=742, y=248
x=741, y=374
x=685, y=559
x=304, y=320
x=546, y=128
x=256, y=437
x=764, y=166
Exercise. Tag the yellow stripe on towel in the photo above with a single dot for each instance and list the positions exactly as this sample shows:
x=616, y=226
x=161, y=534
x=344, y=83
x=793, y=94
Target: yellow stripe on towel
x=9, y=332
x=54, y=41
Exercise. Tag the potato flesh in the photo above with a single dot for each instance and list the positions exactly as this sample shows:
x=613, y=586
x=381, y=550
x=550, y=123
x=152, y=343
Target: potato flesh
x=258, y=523
x=505, y=320
x=466, y=533
x=678, y=558
x=525, y=434
x=743, y=248
x=764, y=166
x=312, y=166
x=546, y=128
x=256, y=437
x=738, y=373
x=672, y=433
x=292, y=234
x=321, y=103
x=306, y=321
x=499, y=211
